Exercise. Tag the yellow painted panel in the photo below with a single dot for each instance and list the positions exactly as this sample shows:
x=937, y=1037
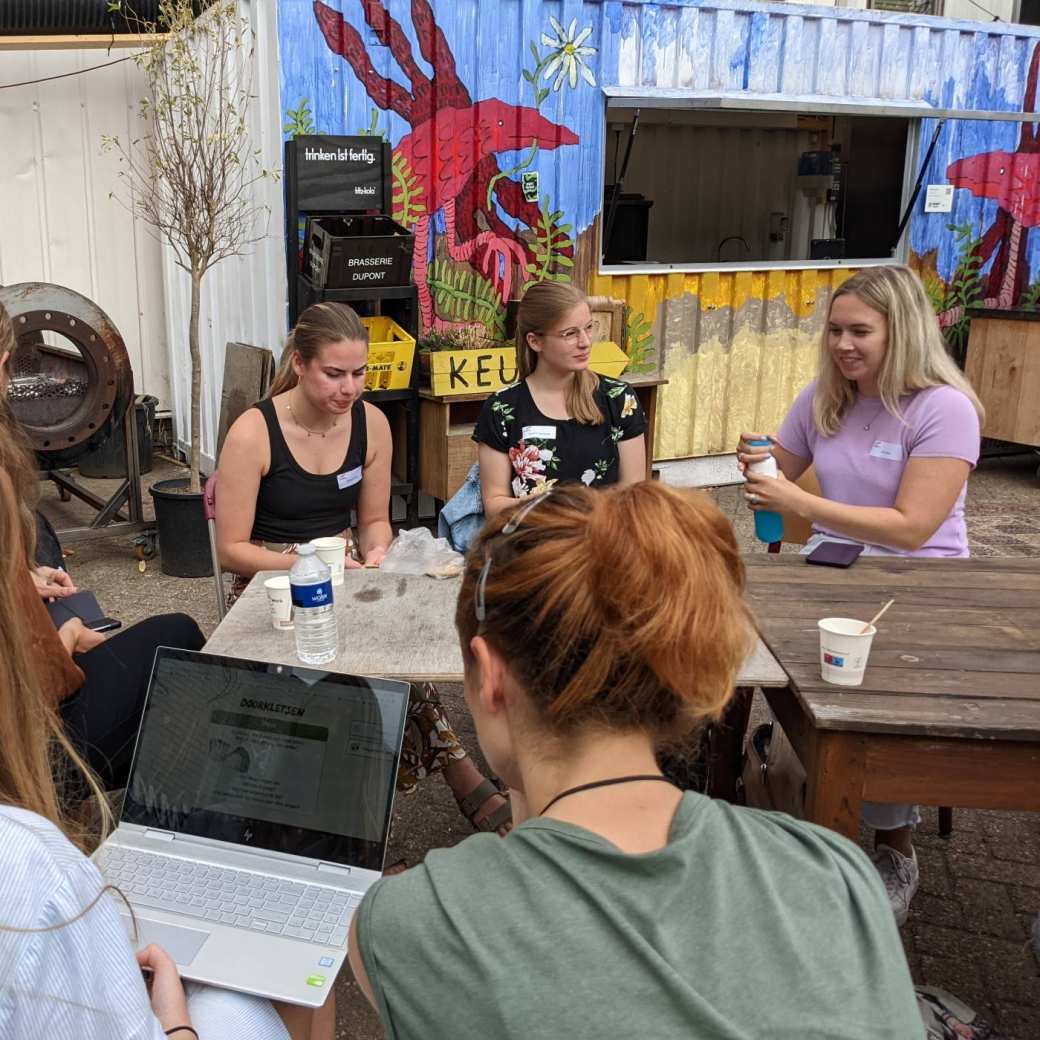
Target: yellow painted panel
x=454, y=372
x=735, y=346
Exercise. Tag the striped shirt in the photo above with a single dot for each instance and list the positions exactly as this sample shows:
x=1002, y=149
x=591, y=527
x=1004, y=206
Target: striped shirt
x=65, y=978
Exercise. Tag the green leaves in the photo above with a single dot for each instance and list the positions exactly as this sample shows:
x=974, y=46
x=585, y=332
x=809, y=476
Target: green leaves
x=540, y=93
x=407, y=206
x=372, y=130
x=299, y=119
x=551, y=264
x=639, y=343
x=461, y=294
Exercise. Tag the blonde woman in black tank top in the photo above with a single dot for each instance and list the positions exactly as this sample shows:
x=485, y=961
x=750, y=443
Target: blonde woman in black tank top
x=293, y=468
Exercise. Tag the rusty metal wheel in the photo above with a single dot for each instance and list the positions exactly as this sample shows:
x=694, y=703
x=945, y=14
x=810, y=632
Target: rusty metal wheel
x=71, y=381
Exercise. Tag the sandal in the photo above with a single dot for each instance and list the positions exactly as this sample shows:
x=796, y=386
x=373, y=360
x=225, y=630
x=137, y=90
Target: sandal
x=471, y=803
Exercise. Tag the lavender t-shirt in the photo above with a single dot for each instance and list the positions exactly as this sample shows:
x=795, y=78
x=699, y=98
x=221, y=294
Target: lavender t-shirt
x=862, y=464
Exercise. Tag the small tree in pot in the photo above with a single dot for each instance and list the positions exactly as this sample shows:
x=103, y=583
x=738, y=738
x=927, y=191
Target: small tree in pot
x=190, y=175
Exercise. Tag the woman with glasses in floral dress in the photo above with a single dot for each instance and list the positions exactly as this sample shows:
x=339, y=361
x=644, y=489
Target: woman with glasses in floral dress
x=561, y=422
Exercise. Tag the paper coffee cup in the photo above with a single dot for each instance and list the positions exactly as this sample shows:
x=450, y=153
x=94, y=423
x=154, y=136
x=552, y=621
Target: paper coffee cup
x=280, y=598
x=332, y=552
x=843, y=651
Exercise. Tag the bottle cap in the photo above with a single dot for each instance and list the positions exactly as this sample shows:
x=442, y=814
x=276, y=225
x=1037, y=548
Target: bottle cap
x=760, y=442
x=306, y=549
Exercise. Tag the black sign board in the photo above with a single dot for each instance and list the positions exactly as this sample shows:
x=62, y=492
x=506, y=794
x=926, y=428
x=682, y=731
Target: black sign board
x=338, y=173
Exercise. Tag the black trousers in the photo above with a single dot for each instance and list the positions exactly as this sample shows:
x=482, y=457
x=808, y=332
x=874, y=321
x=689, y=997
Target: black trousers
x=101, y=719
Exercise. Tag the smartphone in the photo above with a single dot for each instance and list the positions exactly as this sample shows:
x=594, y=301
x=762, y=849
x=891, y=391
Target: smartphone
x=835, y=554
x=103, y=624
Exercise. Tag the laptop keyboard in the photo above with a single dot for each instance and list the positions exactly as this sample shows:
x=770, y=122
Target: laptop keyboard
x=238, y=898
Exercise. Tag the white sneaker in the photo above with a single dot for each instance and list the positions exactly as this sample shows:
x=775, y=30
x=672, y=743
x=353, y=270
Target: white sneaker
x=901, y=878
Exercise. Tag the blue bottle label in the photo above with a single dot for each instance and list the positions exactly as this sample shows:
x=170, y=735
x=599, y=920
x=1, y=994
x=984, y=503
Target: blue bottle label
x=769, y=526
x=319, y=595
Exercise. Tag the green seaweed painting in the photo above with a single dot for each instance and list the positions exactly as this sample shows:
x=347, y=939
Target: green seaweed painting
x=551, y=264
x=462, y=295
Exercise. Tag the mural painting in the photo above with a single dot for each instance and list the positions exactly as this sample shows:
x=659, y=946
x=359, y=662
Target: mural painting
x=481, y=227
x=495, y=113
x=990, y=261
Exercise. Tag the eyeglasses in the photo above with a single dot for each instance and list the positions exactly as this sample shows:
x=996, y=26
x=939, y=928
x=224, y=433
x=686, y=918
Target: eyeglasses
x=571, y=336
x=479, y=606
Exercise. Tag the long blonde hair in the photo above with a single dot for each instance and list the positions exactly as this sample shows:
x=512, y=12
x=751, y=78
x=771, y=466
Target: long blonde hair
x=544, y=304
x=916, y=356
x=319, y=325
x=17, y=457
x=34, y=743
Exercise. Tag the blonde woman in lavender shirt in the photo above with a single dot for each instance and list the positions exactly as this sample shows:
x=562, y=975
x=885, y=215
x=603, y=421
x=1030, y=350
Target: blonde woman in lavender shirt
x=892, y=428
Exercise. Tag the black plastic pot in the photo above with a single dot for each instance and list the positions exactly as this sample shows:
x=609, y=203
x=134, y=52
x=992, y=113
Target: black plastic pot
x=108, y=459
x=183, y=536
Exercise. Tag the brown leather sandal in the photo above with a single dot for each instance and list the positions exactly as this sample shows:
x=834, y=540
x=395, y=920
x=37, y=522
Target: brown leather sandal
x=471, y=803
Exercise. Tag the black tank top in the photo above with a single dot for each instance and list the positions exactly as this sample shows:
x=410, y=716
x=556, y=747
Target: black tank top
x=296, y=506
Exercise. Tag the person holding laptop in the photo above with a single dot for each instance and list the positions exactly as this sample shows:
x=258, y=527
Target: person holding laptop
x=67, y=966
x=295, y=467
x=622, y=906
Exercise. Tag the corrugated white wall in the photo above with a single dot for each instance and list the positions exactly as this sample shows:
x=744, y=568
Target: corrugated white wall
x=243, y=298
x=57, y=220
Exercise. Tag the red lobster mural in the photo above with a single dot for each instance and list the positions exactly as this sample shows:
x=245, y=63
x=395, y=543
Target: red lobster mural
x=1012, y=179
x=452, y=146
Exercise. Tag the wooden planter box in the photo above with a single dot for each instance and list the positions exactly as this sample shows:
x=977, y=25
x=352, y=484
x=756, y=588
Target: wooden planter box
x=1003, y=365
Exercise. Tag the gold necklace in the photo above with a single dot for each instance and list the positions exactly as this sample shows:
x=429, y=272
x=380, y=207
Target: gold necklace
x=309, y=432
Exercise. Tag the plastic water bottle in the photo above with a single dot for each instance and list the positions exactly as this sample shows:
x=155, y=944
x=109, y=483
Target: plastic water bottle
x=769, y=526
x=314, y=619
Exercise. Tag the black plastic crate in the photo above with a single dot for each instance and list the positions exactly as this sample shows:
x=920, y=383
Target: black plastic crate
x=352, y=252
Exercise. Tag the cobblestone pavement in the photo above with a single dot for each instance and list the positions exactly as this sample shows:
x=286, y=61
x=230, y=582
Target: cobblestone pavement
x=968, y=927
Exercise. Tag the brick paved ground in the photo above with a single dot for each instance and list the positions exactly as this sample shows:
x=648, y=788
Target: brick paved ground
x=968, y=928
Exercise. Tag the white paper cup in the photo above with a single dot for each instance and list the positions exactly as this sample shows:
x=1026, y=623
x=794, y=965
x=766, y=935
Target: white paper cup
x=280, y=598
x=332, y=552
x=843, y=651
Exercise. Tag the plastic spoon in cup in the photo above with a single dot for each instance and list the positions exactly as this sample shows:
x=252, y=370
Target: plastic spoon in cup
x=874, y=620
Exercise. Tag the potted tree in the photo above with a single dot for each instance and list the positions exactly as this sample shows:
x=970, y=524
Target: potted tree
x=190, y=177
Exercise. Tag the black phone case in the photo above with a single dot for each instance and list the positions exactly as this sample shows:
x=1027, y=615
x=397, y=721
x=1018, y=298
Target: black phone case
x=834, y=554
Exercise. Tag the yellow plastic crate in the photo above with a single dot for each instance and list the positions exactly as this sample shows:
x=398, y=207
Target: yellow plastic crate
x=391, y=352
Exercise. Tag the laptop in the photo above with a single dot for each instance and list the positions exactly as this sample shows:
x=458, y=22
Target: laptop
x=256, y=817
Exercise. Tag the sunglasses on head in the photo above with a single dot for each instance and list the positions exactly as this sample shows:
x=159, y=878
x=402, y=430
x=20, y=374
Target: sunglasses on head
x=479, y=606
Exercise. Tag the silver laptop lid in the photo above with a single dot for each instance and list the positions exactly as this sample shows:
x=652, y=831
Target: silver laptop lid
x=278, y=757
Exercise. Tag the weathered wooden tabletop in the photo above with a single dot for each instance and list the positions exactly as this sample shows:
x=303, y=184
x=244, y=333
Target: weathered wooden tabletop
x=393, y=625
x=957, y=655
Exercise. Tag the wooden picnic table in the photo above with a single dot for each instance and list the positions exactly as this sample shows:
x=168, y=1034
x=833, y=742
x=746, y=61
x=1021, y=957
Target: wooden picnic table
x=391, y=625
x=949, y=710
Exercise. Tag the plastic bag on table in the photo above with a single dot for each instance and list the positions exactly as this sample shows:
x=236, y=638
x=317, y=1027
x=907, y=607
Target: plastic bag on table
x=417, y=552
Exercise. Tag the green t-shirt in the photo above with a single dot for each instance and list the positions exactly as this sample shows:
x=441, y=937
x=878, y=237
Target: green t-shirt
x=746, y=925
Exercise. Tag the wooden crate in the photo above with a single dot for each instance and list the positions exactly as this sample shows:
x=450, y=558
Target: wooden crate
x=1003, y=365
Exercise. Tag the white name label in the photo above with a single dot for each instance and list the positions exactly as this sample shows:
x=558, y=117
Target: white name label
x=540, y=433
x=887, y=450
x=350, y=478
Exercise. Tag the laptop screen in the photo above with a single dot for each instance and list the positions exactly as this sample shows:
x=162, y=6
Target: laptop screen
x=272, y=756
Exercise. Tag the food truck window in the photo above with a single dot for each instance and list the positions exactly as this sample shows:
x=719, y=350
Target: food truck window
x=706, y=187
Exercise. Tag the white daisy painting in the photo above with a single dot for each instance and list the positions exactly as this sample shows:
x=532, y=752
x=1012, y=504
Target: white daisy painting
x=568, y=54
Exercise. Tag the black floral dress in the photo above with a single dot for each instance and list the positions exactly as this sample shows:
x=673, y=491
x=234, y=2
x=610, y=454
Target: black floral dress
x=545, y=451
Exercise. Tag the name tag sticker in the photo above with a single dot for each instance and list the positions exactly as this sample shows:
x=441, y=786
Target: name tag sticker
x=350, y=478
x=539, y=433
x=887, y=450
